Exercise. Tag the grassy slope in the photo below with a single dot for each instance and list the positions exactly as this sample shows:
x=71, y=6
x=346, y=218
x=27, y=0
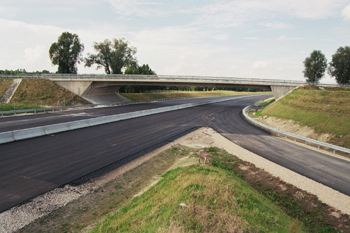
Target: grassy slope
x=176, y=94
x=327, y=111
x=4, y=85
x=217, y=200
x=45, y=92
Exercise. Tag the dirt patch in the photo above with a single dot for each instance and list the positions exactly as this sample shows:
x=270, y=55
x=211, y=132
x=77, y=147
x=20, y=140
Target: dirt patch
x=293, y=127
x=95, y=199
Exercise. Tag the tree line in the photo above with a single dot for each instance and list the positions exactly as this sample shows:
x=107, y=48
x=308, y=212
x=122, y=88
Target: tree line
x=114, y=56
x=21, y=71
x=339, y=67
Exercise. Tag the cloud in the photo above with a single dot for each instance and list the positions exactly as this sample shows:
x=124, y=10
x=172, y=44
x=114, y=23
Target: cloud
x=222, y=37
x=34, y=54
x=240, y=12
x=141, y=8
x=277, y=25
x=251, y=38
x=284, y=38
x=260, y=65
x=346, y=13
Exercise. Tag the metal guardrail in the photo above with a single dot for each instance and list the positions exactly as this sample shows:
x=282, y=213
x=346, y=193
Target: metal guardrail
x=17, y=135
x=295, y=136
x=53, y=109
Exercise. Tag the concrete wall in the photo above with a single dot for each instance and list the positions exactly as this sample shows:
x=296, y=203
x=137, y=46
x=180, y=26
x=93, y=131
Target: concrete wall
x=280, y=91
x=77, y=87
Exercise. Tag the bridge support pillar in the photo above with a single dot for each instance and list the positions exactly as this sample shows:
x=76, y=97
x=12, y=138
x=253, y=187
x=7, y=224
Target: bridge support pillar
x=280, y=91
x=94, y=92
x=77, y=87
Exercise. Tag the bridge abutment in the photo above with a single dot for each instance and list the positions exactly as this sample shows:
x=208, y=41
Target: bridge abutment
x=280, y=91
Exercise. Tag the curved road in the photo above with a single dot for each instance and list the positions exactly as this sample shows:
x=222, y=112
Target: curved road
x=31, y=167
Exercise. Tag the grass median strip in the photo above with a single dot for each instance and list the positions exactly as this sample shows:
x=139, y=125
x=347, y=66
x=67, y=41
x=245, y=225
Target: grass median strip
x=213, y=198
x=229, y=195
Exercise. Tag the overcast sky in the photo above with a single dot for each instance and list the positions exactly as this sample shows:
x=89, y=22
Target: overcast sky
x=239, y=38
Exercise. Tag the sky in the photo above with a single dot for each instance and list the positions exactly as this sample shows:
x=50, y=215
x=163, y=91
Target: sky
x=266, y=39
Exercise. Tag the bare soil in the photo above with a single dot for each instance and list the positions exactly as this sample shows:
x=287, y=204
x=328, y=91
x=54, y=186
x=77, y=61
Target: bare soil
x=95, y=199
x=293, y=127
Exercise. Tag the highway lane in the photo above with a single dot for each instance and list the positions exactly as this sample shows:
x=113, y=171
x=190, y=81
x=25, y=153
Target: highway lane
x=35, y=120
x=34, y=166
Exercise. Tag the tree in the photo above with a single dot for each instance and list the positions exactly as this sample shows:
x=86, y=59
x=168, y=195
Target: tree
x=135, y=69
x=66, y=53
x=340, y=66
x=113, y=56
x=315, y=66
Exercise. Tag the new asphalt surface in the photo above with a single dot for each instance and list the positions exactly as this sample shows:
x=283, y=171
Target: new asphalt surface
x=18, y=122
x=34, y=166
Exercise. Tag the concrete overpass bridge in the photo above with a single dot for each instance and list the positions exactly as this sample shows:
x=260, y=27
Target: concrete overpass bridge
x=102, y=87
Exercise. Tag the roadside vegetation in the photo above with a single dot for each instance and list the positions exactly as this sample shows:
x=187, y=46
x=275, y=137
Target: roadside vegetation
x=43, y=92
x=326, y=110
x=215, y=198
x=266, y=102
x=5, y=83
x=10, y=107
x=228, y=195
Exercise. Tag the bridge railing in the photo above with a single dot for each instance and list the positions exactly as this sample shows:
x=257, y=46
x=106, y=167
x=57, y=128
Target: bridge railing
x=155, y=77
x=199, y=79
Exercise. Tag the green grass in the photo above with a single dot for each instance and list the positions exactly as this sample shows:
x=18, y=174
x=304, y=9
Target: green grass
x=217, y=201
x=312, y=219
x=45, y=93
x=326, y=111
x=266, y=102
x=177, y=94
x=10, y=107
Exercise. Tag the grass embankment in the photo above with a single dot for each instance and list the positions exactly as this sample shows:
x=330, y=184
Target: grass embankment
x=5, y=83
x=217, y=200
x=326, y=111
x=10, y=107
x=227, y=196
x=44, y=92
x=266, y=102
x=178, y=94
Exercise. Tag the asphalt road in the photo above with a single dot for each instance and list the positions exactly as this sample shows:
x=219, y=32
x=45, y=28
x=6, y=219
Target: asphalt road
x=18, y=122
x=31, y=167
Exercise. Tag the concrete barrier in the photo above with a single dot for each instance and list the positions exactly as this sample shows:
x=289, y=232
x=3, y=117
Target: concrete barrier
x=96, y=121
x=78, y=124
x=57, y=128
x=113, y=118
x=6, y=137
x=28, y=133
x=50, y=129
x=125, y=116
